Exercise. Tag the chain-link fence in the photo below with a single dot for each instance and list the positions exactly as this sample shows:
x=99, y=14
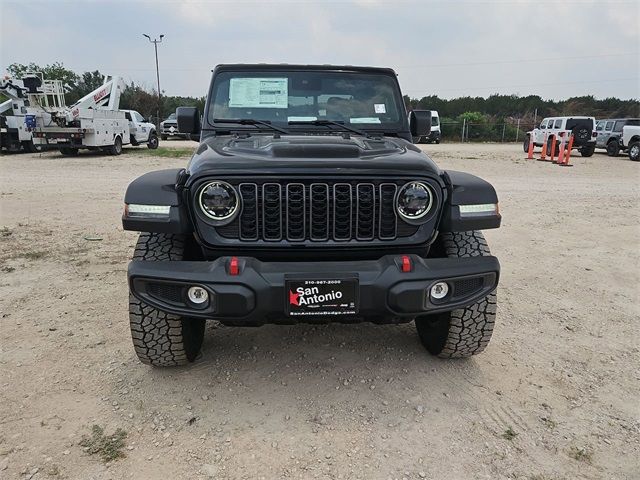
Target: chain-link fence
x=484, y=132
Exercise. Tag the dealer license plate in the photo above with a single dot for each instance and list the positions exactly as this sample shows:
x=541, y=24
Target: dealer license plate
x=325, y=297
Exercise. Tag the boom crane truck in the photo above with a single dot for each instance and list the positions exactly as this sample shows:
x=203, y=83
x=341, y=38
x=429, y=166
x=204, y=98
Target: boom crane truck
x=95, y=122
x=31, y=100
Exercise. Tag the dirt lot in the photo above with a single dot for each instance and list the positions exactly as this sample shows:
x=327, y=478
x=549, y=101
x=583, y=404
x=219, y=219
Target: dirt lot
x=555, y=396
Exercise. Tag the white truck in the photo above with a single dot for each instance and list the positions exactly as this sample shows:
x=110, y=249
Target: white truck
x=31, y=100
x=631, y=141
x=94, y=122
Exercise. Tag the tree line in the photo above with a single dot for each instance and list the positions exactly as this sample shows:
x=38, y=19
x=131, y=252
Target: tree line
x=493, y=118
x=503, y=117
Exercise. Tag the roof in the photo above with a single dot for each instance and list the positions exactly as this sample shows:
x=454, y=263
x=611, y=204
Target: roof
x=287, y=66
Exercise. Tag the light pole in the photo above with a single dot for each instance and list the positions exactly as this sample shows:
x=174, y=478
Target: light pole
x=155, y=45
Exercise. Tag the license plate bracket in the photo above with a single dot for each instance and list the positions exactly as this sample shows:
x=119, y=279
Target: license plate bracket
x=309, y=297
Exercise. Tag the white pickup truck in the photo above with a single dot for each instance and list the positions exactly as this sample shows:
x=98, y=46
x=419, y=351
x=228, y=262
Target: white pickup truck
x=631, y=141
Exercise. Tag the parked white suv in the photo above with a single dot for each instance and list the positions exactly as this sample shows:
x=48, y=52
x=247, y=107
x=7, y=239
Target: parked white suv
x=582, y=129
x=631, y=141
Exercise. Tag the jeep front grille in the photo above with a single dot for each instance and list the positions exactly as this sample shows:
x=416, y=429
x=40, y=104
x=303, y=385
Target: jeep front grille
x=299, y=211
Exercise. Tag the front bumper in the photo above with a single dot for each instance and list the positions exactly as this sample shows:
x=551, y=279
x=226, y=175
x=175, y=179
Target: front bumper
x=256, y=294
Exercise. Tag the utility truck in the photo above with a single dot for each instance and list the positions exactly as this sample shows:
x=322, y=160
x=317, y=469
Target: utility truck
x=95, y=122
x=31, y=100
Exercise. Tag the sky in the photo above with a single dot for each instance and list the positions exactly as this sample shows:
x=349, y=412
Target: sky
x=449, y=48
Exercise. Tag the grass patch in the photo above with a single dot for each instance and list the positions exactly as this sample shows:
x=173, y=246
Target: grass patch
x=164, y=152
x=583, y=454
x=509, y=434
x=109, y=447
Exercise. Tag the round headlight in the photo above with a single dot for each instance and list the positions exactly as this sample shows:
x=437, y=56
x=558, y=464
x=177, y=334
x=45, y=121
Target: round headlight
x=414, y=200
x=219, y=200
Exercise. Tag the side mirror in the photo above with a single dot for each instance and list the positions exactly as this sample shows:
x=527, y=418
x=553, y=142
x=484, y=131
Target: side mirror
x=188, y=120
x=420, y=123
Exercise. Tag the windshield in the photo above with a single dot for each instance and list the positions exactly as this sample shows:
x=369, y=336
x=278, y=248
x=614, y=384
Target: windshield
x=367, y=100
x=435, y=121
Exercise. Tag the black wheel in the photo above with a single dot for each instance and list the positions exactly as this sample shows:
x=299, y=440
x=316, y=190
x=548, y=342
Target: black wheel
x=162, y=339
x=467, y=331
x=69, y=151
x=587, y=150
x=634, y=151
x=613, y=148
x=163, y=137
x=116, y=148
x=153, y=142
x=525, y=144
x=438, y=141
x=31, y=147
x=581, y=134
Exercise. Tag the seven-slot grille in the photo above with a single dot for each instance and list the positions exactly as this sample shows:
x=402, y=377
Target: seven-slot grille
x=317, y=211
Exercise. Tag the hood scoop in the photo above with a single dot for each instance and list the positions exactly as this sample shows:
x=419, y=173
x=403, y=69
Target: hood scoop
x=315, y=151
x=311, y=146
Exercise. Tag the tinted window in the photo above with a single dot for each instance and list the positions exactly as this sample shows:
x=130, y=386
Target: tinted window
x=558, y=123
x=435, y=121
x=283, y=96
x=608, y=126
x=600, y=125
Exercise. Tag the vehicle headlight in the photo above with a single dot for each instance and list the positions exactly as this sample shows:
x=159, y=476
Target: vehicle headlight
x=414, y=200
x=218, y=200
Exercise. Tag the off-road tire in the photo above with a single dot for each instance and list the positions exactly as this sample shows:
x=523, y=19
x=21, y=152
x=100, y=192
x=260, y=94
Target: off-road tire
x=153, y=142
x=613, y=148
x=68, y=151
x=162, y=339
x=634, y=151
x=525, y=144
x=466, y=331
x=587, y=151
x=549, y=144
x=437, y=142
x=116, y=148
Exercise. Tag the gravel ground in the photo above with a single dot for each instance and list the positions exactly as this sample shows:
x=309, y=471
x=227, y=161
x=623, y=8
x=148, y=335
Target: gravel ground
x=555, y=396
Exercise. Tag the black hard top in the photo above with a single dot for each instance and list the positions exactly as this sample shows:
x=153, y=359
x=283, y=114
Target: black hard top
x=287, y=66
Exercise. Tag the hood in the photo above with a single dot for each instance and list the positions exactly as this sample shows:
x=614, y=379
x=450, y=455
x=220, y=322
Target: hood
x=309, y=154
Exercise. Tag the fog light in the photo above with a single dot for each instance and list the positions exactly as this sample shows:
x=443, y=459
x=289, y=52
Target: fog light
x=197, y=295
x=439, y=290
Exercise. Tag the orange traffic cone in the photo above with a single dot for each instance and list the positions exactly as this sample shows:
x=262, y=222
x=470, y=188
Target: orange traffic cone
x=567, y=157
x=543, y=153
x=561, y=153
x=530, y=151
x=553, y=149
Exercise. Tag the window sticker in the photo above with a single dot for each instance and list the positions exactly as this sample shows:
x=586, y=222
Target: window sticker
x=364, y=120
x=380, y=108
x=258, y=93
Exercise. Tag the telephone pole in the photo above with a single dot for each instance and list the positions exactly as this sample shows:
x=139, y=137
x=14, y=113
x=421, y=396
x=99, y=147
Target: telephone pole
x=155, y=45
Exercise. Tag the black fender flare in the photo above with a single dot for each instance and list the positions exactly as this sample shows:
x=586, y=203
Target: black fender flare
x=467, y=189
x=160, y=188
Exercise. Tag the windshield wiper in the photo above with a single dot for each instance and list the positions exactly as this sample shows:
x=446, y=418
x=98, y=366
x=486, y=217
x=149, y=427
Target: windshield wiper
x=327, y=123
x=251, y=121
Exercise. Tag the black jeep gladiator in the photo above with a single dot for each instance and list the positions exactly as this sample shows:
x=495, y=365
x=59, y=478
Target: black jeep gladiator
x=306, y=201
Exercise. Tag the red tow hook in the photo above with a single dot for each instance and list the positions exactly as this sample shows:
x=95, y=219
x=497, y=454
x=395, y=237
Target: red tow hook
x=406, y=264
x=234, y=266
